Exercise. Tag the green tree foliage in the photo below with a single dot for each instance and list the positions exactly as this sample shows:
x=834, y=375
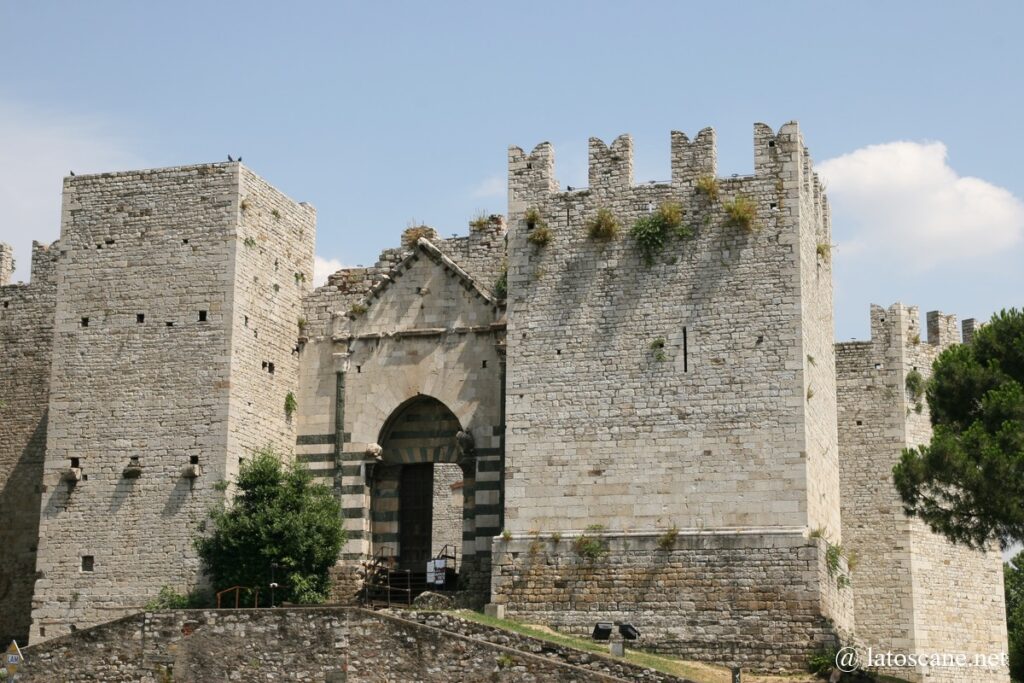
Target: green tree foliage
x=1014, y=577
x=968, y=483
x=278, y=516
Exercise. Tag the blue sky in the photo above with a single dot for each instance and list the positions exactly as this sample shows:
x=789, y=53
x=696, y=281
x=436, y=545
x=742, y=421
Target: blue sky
x=382, y=113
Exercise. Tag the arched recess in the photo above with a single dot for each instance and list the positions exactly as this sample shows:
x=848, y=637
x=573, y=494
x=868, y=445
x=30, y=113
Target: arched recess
x=422, y=486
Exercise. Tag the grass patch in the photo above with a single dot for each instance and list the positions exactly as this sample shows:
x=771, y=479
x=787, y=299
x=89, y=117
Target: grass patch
x=742, y=213
x=540, y=236
x=698, y=672
x=604, y=226
x=707, y=185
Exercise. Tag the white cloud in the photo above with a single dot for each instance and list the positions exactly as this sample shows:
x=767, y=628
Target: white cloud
x=902, y=201
x=490, y=187
x=323, y=267
x=39, y=148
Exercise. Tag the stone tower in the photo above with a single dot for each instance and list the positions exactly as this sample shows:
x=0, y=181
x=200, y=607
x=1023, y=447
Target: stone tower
x=680, y=413
x=914, y=591
x=178, y=297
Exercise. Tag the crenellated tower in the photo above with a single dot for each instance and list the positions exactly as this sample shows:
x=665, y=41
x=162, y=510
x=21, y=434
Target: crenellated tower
x=691, y=392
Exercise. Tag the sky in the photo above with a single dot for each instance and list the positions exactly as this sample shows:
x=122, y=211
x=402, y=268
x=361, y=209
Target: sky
x=381, y=114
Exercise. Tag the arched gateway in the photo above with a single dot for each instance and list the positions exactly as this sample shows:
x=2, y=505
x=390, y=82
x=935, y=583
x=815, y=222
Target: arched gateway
x=422, y=485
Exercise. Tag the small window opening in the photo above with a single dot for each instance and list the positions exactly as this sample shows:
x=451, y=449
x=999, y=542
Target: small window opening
x=85, y=477
x=42, y=631
x=878, y=366
x=771, y=143
x=85, y=322
x=74, y=462
x=264, y=365
x=246, y=321
x=202, y=316
x=99, y=246
x=558, y=352
x=169, y=323
x=109, y=240
x=185, y=241
x=419, y=290
x=270, y=368
x=859, y=423
x=773, y=206
x=484, y=364
x=140, y=317
x=193, y=460
x=6, y=304
x=88, y=562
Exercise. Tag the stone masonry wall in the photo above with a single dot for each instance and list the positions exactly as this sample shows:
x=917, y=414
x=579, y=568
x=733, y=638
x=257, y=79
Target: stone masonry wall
x=914, y=591
x=761, y=600
x=329, y=645
x=273, y=271
x=720, y=428
x=26, y=343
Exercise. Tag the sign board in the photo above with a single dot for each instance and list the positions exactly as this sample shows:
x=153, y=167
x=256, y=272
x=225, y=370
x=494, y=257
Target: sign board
x=439, y=576
x=430, y=572
x=13, y=659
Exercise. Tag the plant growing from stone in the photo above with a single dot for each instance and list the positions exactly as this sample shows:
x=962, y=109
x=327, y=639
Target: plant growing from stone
x=506, y=535
x=356, y=309
x=667, y=541
x=501, y=284
x=658, y=349
x=249, y=242
x=533, y=218
x=302, y=325
x=290, y=404
x=741, y=212
x=540, y=236
x=479, y=222
x=278, y=517
x=824, y=251
x=589, y=545
x=276, y=214
x=707, y=185
x=652, y=231
x=604, y=226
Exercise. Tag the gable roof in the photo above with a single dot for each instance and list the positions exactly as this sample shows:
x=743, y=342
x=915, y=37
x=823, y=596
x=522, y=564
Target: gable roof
x=424, y=246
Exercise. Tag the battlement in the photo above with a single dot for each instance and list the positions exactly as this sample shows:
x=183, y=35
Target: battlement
x=6, y=263
x=781, y=154
x=903, y=323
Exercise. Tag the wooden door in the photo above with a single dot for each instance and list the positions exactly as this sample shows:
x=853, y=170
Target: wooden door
x=415, y=515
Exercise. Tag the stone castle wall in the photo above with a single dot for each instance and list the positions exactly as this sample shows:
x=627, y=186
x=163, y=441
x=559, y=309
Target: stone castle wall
x=170, y=313
x=330, y=645
x=26, y=344
x=915, y=592
x=753, y=599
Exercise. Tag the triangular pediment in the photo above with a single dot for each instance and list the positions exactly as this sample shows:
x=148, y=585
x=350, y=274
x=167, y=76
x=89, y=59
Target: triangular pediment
x=426, y=292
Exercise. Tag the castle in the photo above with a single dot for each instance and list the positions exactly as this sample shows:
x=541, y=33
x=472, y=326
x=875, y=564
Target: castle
x=670, y=438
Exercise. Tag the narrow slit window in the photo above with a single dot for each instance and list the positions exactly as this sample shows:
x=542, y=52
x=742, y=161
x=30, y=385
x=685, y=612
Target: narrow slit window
x=88, y=562
x=202, y=316
x=686, y=352
x=85, y=322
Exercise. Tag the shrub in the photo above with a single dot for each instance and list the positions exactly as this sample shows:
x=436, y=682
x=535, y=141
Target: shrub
x=532, y=218
x=742, y=213
x=915, y=385
x=357, y=309
x=822, y=662
x=539, y=236
x=168, y=598
x=276, y=214
x=290, y=404
x=590, y=547
x=249, y=242
x=506, y=535
x=501, y=285
x=279, y=524
x=302, y=325
x=603, y=226
x=707, y=185
x=653, y=230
